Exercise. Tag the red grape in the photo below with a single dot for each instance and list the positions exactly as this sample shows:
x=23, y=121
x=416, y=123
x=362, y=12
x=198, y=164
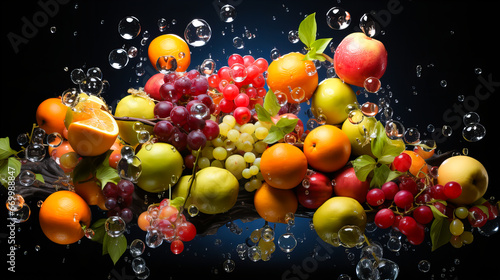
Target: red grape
x=195, y=123
x=402, y=162
x=225, y=73
x=214, y=80
x=211, y=130
x=417, y=236
x=126, y=214
x=110, y=203
x=241, y=100
x=242, y=115
x=179, y=115
x=110, y=190
x=261, y=92
x=251, y=92
x=403, y=199
x=226, y=106
x=259, y=81
x=199, y=86
x=407, y=225
x=384, y=218
x=183, y=85
x=235, y=58
x=163, y=130
x=248, y=60
x=186, y=231
x=168, y=92
x=452, y=190
x=423, y=214
x=205, y=99
x=408, y=184
x=230, y=91
x=390, y=189
x=262, y=64
x=162, y=109
x=252, y=72
x=189, y=161
x=170, y=78
x=177, y=246
x=125, y=188
x=193, y=74
x=178, y=140
x=196, y=139
x=375, y=197
x=437, y=192
x=477, y=218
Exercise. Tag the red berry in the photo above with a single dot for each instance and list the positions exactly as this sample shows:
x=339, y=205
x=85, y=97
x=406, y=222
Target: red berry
x=235, y=58
x=241, y=100
x=477, y=218
x=402, y=163
x=226, y=106
x=384, y=218
x=262, y=64
x=423, y=214
x=403, y=199
x=214, y=80
x=417, y=236
x=408, y=184
x=407, y=225
x=390, y=189
x=452, y=190
x=177, y=246
x=248, y=60
x=437, y=192
x=186, y=231
x=375, y=197
x=230, y=91
x=242, y=115
x=225, y=73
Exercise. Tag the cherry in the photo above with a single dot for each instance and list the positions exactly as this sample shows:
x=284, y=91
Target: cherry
x=452, y=190
x=402, y=163
x=384, y=218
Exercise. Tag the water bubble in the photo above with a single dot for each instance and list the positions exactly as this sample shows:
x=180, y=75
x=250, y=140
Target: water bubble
x=166, y=64
x=330, y=72
x=144, y=275
x=132, y=51
x=372, y=252
x=369, y=109
x=114, y=226
x=127, y=151
x=197, y=33
x=91, y=86
x=355, y=116
x=154, y=238
x=478, y=71
x=446, y=130
x=443, y=83
x=229, y=265
x=129, y=27
x=137, y=248
x=255, y=235
x=293, y=36
x=424, y=266
x=118, y=58
x=344, y=277
x=419, y=70
x=238, y=43
x=70, y=97
x=311, y=69
x=27, y=178
x=193, y=210
x=138, y=265
x=430, y=127
x=35, y=152
x=254, y=253
x=387, y=269
x=369, y=25
x=54, y=139
x=267, y=233
x=471, y=118
x=162, y=24
x=23, y=139
x=312, y=123
x=412, y=136
x=474, y=132
x=77, y=75
x=238, y=72
x=21, y=215
x=227, y=13
x=129, y=168
x=394, y=129
x=351, y=236
x=394, y=244
x=15, y=202
x=143, y=136
x=338, y=18
x=275, y=54
x=290, y=138
x=94, y=72
x=207, y=67
x=297, y=94
x=365, y=270
x=287, y=242
x=38, y=135
x=281, y=97
x=39, y=203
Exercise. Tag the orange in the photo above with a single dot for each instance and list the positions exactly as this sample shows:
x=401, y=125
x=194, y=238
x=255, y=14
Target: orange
x=283, y=166
x=327, y=148
x=418, y=166
x=143, y=221
x=273, y=204
x=290, y=72
x=50, y=115
x=116, y=155
x=91, y=192
x=62, y=215
x=423, y=153
x=170, y=45
x=92, y=131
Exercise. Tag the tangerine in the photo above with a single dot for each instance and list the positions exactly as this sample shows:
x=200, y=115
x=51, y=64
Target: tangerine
x=283, y=166
x=423, y=153
x=62, y=216
x=170, y=45
x=327, y=148
x=91, y=192
x=50, y=115
x=290, y=72
x=418, y=166
x=273, y=204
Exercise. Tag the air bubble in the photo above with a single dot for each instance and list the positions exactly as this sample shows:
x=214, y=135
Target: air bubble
x=166, y=64
x=338, y=18
x=238, y=43
x=293, y=36
x=474, y=132
x=114, y=226
x=287, y=242
x=394, y=129
x=197, y=33
x=27, y=178
x=369, y=25
x=137, y=248
x=118, y=58
x=227, y=13
x=129, y=27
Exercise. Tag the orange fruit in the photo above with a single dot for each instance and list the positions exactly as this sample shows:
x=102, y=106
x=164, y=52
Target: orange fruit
x=116, y=154
x=290, y=72
x=327, y=148
x=418, y=166
x=91, y=192
x=62, y=215
x=50, y=115
x=283, y=166
x=56, y=153
x=143, y=221
x=92, y=131
x=423, y=153
x=170, y=45
x=273, y=204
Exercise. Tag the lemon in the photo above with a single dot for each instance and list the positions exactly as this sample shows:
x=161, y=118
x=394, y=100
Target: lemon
x=336, y=213
x=135, y=106
x=161, y=167
x=215, y=190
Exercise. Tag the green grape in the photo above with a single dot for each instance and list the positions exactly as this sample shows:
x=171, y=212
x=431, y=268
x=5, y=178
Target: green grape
x=248, y=187
x=203, y=162
x=218, y=142
x=219, y=153
x=246, y=137
x=247, y=128
x=217, y=163
x=235, y=164
x=229, y=120
x=229, y=145
x=467, y=237
x=255, y=183
x=256, y=162
x=69, y=160
x=249, y=157
x=261, y=132
x=456, y=241
x=456, y=227
x=260, y=147
x=224, y=128
x=461, y=212
x=254, y=170
x=207, y=152
x=233, y=135
x=246, y=173
x=263, y=124
x=255, y=235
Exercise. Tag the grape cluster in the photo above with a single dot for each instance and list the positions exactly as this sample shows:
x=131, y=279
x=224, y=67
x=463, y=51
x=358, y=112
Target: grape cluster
x=119, y=197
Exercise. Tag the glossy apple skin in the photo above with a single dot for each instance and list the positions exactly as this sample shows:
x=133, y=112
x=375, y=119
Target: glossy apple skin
x=152, y=86
x=320, y=190
x=347, y=184
x=359, y=57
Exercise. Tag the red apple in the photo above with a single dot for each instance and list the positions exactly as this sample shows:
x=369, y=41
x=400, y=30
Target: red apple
x=153, y=85
x=319, y=191
x=359, y=57
x=347, y=184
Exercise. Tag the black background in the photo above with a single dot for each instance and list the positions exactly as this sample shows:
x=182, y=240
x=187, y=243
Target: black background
x=448, y=39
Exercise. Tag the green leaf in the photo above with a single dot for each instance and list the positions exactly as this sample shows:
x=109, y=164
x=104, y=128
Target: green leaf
x=177, y=202
x=39, y=177
x=5, y=149
x=380, y=175
x=271, y=103
x=363, y=165
x=262, y=114
x=307, y=30
x=436, y=213
x=384, y=148
x=278, y=131
x=105, y=174
x=320, y=45
x=99, y=230
x=9, y=167
x=116, y=246
x=287, y=125
x=314, y=56
x=440, y=232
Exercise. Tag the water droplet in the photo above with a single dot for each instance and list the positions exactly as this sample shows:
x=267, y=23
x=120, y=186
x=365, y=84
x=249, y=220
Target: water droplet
x=77, y=75
x=372, y=84
x=419, y=70
x=54, y=139
x=166, y=64
x=53, y=29
x=94, y=72
x=129, y=168
x=412, y=136
x=197, y=33
x=287, y=242
x=338, y=18
x=293, y=36
x=478, y=71
x=281, y=97
x=118, y=58
x=369, y=109
x=138, y=265
x=424, y=266
x=290, y=218
x=207, y=67
x=387, y=269
x=162, y=24
x=238, y=43
x=21, y=215
x=129, y=27
x=229, y=265
x=275, y=54
x=27, y=178
x=70, y=97
x=394, y=129
x=474, y=132
x=23, y=139
x=372, y=252
x=355, y=116
x=267, y=233
x=369, y=25
x=238, y=72
x=137, y=248
x=446, y=130
x=297, y=94
x=132, y=51
x=310, y=69
x=254, y=253
x=443, y=83
x=15, y=202
x=143, y=136
x=394, y=244
x=114, y=226
x=39, y=203
x=351, y=236
x=193, y=210
x=365, y=270
x=227, y=13
x=34, y=152
x=127, y=152
x=471, y=118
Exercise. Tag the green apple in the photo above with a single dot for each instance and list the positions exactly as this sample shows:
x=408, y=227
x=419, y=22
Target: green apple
x=331, y=99
x=161, y=167
x=360, y=142
x=135, y=106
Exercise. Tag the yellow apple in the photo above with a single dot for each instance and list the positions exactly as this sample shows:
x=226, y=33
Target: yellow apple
x=360, y=145
x=331, y=99
x=469, y=173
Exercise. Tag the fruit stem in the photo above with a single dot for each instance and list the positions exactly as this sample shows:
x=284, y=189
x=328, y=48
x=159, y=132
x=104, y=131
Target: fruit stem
x=193, y=177
x=328, y=58
x=377, y=260
x=151, y=122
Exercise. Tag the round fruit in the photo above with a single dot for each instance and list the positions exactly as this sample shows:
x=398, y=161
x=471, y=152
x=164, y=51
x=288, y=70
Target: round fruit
x=161, y=167
x=91, y=192
x=347, y=184
x=319, y=190
x=134, y=106
x=283, y=166
x=348, y=211
x=327, y=148
x=273, y=204
x=357, y=135
x=418, y=166
x=469, y=173
x=291, y=71
x=50, y=115
x=62, y=216
x=384, y=218
x=331, y=99
x=214, y=191
x=143, y=221
x=170, y=45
